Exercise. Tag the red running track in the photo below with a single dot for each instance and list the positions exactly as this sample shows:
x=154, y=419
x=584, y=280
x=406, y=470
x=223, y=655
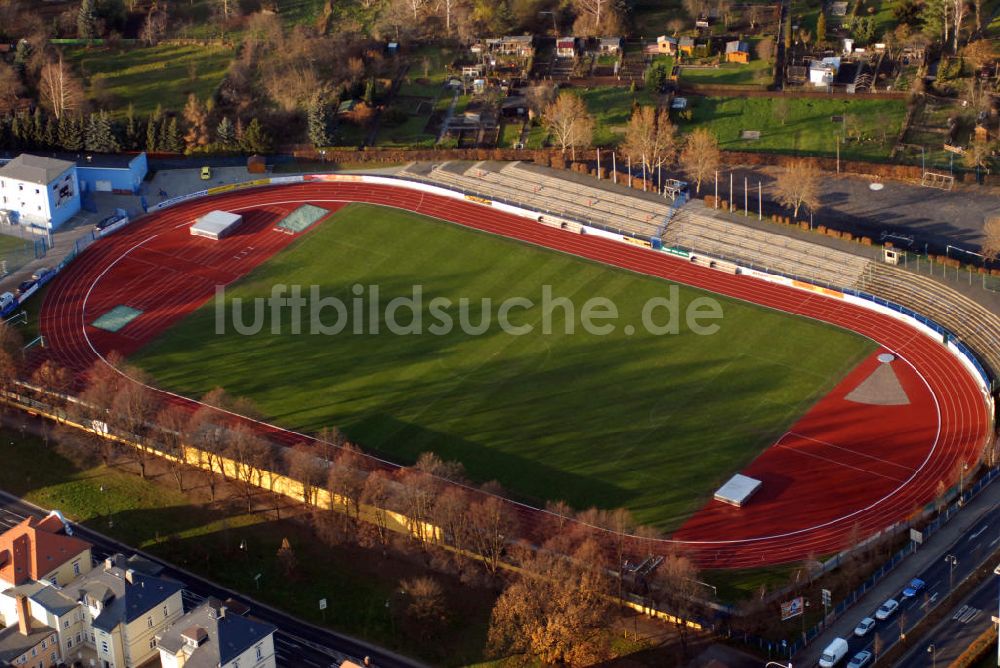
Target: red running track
x=843, y=470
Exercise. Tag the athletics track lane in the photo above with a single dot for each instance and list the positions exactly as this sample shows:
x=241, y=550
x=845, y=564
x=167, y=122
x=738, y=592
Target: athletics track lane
x=962, y=412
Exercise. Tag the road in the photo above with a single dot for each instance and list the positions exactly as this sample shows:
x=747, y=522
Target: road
x=968, y=619
x=971, y=537
x=297, y=643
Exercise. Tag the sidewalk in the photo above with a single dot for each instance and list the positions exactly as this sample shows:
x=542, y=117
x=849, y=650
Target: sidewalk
x=929, y=555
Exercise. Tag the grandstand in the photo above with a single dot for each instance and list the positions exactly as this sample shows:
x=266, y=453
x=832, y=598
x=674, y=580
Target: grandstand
x=698, y=228
x=972, y=323
x=601, y=205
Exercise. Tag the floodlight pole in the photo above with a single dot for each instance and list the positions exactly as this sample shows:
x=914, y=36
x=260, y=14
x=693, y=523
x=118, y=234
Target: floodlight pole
x=614, y=168
x=746, y=202
x=598, y=164
x=716, y=189
x=760, y=202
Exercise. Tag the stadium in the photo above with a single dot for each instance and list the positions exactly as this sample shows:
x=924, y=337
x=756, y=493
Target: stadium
x=845, y=410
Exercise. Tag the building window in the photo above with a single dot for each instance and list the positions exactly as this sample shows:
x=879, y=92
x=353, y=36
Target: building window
x=69, y=643
x=260, y=654
x=37, y=191
x=77, y=638
x=104, y=646
x=149, y=621
x=34, y=651
x=166, y=613
x=65, y=623
x=152, y=643
x=76, y=568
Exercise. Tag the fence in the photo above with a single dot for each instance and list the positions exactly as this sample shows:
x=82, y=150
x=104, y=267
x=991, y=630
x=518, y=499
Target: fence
x=921, y=263
x=19, y=246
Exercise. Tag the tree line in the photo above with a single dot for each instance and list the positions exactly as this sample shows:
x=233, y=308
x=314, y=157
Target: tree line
x=560, y=602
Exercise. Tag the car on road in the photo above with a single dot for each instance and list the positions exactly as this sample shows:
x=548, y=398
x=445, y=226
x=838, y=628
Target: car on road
x=860, y=660
x=834, y=653
x=864, y=626
x=887, y=610
x=40, y=273
x=915, y=587
x=24, y=286
x=206, y=173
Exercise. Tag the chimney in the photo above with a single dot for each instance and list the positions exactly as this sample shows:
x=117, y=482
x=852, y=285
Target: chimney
x=130, y=576
x=21, y=549
x=23, y=614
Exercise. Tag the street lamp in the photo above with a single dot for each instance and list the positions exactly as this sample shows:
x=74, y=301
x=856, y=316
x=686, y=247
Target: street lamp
x=933, y=652
x=996, y=571
x=961, y=484
x=952, y=560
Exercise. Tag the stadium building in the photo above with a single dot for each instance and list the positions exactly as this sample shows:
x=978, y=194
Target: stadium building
x=38, y=191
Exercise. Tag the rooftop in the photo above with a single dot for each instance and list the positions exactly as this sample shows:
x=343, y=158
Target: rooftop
x=211, y=636
x=13, y=643
x=35, y=169
x=34, y=548
x=124, y=594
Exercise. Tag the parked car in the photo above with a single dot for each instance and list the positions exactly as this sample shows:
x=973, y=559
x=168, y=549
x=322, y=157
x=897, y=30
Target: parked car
x=860, y=660
x=40, y=273
x=887, y=610
x=206, y=173
x=915, y=587
x=834, y=653
x=24, y=286
x=7, y=300
x=864, y=626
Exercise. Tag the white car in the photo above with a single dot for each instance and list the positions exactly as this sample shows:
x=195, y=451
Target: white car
x=887, y=610
x=864, y=626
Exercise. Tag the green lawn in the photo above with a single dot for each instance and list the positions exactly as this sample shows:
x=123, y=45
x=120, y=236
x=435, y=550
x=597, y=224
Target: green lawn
x=15, y=252
x=150, y=76
x=808, y=128
x=654, y=423
x=756, y=73
x=153, y=516
x=612, y=108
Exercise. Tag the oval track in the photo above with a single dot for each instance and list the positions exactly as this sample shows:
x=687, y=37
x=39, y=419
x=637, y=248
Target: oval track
x=964, y=419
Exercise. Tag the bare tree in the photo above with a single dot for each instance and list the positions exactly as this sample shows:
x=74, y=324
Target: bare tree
x=10, y=87
x=980, y=53
x=426, y=610
x=154, y=26
x=417, y=493
x=196, y=117
x=991, y=238
x=377, y=494
x=650, y=138
x=596, y=17
x=346, y=479
x=451, y=514
x=431, y=464
x=569, y=123
x=798, y=186
x=251, y=457
x=492, y=524
x=676, y=587
x=700, y=157
x=556, y=611
x=306, y=467
x=172, y=424
x=60, y=90
x=132, y=412
x=539, y=97
x=57, y=380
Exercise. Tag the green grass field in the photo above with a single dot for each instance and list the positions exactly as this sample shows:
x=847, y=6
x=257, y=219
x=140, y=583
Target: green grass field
x=611, y=107
x=756, y=73
x=653, y=423
x=150, y=76
x=808, y=129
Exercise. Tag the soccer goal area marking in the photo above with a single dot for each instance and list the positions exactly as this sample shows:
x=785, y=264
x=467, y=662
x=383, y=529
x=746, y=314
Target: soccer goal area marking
x=116, y=318
x=301, y=219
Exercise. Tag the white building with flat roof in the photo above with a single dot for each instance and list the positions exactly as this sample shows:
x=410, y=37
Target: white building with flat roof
x=43, y=192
